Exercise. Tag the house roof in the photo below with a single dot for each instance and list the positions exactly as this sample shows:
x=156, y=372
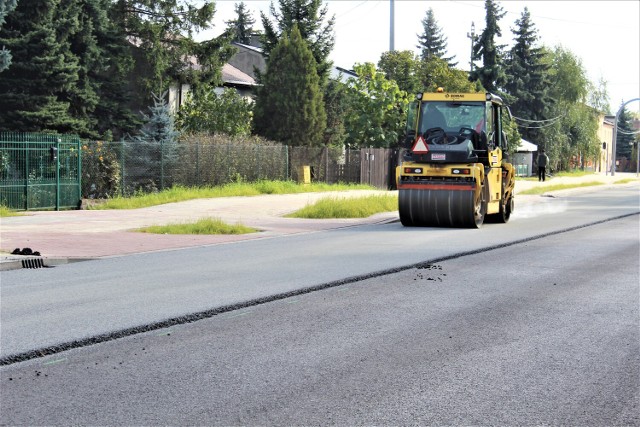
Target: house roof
x=249, y=47
x=526, y=146
x=342, y=74
x=233, y=76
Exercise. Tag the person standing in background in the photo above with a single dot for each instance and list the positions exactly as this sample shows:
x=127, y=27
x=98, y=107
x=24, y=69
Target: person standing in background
x=543, y=161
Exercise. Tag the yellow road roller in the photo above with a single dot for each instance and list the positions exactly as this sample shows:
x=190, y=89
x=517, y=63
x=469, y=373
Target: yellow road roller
x=454, y=169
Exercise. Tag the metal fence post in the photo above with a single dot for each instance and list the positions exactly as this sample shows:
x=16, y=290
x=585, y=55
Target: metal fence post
x=161, y=164
x=122, y=183
x=286, y=161
x=57, y=159
x=326, y=164
x=79, y=167
x=197, y=163
x=26, y=187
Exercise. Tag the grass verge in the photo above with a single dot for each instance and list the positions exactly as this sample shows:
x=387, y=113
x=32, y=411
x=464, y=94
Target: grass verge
x=356, y=207
x=573, y=173
x=204, y=226
x=556, y=187
x=5, y=211
x=626, y=181
x=179, y=194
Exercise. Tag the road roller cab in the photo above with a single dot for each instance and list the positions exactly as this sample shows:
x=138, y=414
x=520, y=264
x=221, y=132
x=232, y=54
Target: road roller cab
x=453, y=170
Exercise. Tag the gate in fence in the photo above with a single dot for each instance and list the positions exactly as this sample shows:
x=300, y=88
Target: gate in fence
x=378, y=167
x=39, y=171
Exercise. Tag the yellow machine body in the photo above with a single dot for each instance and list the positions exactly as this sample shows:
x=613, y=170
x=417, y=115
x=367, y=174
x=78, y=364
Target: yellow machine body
x=454, y=172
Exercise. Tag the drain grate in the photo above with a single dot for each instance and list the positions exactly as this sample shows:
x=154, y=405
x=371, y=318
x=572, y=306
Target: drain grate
x=33, y=263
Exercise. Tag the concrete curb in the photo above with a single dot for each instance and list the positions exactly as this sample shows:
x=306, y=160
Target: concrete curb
x=17, y=262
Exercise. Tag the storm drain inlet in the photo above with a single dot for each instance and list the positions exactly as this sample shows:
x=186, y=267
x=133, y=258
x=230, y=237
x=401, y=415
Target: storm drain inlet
x=33, y=263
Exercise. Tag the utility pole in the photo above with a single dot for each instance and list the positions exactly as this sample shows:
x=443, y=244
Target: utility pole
x=472, y=35
x=391, y=28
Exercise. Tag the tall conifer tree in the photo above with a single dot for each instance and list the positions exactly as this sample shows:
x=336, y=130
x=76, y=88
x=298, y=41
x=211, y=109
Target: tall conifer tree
x=491, y=73
x=528, y=77
x=309, y=16
x=43, y=68
x=241, y=28
x=289, y=106
x=70, y=64
x=163, y=31
x=111, y=67
x=6, y=6
x=432, y=43
x=625, y=136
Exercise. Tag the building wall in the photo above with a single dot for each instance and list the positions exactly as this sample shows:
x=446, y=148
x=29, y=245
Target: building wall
x=246, y=60
x=523, y=162
x=605, y=135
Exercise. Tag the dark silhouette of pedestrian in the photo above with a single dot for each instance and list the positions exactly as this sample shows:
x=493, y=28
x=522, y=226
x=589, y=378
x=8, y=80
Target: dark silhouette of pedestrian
x=543, y=161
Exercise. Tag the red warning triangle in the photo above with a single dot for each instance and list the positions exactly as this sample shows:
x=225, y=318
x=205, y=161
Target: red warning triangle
x=420, y=147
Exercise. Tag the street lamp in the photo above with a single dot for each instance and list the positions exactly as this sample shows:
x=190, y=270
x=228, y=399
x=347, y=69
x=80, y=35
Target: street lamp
x=472, y=35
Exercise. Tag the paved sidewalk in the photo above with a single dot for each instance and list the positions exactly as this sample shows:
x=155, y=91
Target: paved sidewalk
x=66, y=236
x=80, y=234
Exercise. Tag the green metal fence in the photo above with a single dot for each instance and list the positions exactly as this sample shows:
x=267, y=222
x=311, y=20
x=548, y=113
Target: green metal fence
x=39, y=171
x=57, y=171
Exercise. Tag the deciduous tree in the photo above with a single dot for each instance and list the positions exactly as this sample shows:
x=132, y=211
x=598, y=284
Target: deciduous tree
x=402, y=67
x=435, y=72
x=377, y=109
x=599, y=96
x=570, y=134
x=227, y=113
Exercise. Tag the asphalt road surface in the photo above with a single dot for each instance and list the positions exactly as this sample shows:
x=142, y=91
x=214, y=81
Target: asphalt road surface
x=542, y=328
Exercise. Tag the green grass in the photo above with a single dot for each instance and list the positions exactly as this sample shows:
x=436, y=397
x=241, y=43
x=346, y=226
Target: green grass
x=5, y=211
x=626, y=181
x=555, y=187
x=179, y=194
x=574, y=173
x=203, y=226
x=356, y=207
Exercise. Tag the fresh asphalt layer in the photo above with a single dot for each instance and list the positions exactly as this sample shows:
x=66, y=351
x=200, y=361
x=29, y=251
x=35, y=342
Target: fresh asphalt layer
x=66, y=236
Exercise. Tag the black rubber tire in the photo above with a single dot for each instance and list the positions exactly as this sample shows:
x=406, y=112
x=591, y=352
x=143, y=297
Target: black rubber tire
x=480, y=206
x=442, y=208
x=503, y=216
